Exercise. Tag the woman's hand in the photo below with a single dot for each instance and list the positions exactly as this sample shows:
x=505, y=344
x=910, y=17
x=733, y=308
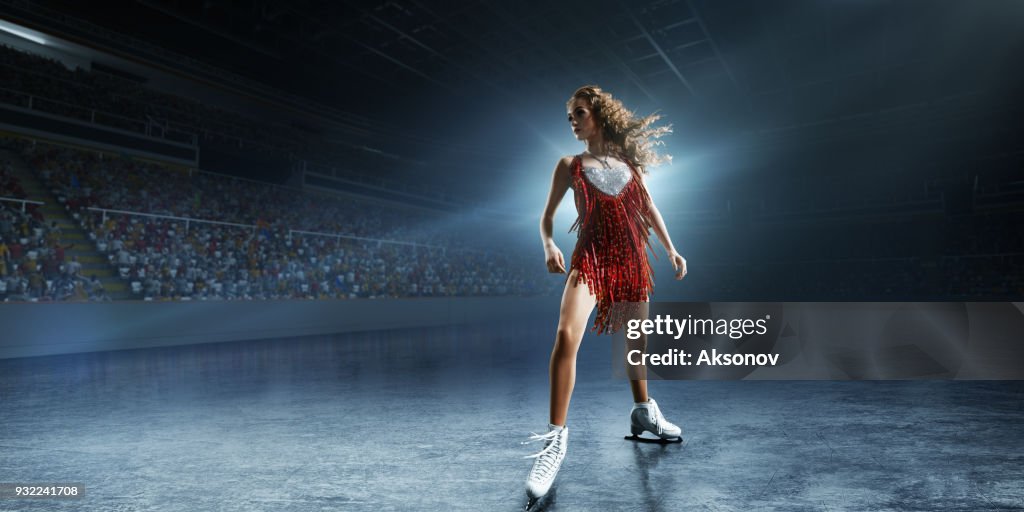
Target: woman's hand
x=555, y=261
x=678, y=263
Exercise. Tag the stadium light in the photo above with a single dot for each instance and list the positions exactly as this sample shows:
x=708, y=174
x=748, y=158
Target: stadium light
x=21, y=32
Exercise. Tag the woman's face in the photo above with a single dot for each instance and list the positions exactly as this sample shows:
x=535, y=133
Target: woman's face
x=581, y=117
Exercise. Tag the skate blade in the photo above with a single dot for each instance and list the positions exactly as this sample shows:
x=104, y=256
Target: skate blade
x=540, y=504
x=655, y=440
x=530, y=502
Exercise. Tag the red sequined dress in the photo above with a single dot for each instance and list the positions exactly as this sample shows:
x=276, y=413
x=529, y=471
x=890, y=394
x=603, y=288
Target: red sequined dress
x=613, y=231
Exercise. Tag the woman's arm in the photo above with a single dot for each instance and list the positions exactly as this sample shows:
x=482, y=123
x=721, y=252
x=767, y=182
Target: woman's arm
x=560, y=180
x=658, y=224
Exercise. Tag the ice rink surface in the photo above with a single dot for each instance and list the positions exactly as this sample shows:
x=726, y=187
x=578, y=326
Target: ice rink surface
x=432, y=419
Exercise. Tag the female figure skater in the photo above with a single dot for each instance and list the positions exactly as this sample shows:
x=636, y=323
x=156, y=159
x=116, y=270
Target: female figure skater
x=609, y=264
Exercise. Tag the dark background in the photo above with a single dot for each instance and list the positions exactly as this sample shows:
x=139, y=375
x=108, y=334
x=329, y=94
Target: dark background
x=823, y=149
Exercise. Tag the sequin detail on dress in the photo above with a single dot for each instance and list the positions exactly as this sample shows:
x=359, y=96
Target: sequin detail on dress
x=611, y=180
x=613, y=231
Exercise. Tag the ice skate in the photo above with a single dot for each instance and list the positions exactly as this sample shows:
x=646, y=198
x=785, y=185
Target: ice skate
x=647, y=416
x=548, y=460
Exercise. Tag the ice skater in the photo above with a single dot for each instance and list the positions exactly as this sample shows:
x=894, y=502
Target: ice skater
x=609, y=268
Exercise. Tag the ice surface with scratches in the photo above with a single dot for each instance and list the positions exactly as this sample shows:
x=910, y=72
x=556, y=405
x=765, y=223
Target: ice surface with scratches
x=610, y=180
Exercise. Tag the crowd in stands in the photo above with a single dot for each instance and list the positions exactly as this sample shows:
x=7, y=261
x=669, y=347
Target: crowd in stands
x=33, y=261
x=407, y=253
x=84, y=179
x=398, y=252
x=168, y=258
x=163, y=259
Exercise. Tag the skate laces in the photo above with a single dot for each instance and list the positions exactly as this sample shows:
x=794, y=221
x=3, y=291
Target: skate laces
x=547, y=457
x=659, y=421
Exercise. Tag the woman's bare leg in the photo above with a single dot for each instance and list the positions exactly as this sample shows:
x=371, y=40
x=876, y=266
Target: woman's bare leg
x=577, y=304
x=639, y=387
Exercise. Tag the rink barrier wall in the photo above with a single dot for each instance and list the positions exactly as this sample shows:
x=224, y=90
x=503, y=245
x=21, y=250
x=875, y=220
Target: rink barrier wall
x=39, y=329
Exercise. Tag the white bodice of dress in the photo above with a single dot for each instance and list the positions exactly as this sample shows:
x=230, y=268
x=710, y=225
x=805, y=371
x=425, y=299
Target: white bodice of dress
x=610, y=180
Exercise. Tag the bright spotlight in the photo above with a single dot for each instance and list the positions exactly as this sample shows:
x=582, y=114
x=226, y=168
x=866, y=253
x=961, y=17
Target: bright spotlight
x=21, y=32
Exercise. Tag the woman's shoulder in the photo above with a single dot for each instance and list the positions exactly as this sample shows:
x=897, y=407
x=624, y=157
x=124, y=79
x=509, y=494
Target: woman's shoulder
x=566, y=162
x=567, y=159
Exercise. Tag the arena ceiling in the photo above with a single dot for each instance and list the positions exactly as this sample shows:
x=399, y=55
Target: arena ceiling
x=453, y=46
x=720, y=67
x=747, y=55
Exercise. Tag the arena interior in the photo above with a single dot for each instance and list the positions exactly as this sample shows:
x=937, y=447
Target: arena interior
x=284, y=256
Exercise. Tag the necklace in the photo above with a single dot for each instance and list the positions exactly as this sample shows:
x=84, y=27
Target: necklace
x=604, y=161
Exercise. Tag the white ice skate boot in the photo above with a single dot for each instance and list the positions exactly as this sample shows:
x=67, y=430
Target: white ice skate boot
x=548, y=460
x=647, y=416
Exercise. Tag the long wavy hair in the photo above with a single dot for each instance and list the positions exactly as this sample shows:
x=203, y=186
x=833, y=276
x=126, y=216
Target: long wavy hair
x=631, y=136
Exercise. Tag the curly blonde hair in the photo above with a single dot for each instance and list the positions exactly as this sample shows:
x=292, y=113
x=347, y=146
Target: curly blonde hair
x=631, y=136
